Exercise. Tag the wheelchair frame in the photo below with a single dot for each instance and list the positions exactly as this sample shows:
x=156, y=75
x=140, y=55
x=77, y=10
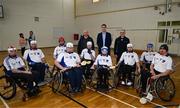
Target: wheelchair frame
x=154, y=88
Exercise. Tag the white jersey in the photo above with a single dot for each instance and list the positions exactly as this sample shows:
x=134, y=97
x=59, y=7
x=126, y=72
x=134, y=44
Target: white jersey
x=162, y=63
x=147, y=57
x=129, y=58
x=33, y=56
x=68, y=59
x=13, y=63
x=86, y=55
x=58, y=50
x=103, y=60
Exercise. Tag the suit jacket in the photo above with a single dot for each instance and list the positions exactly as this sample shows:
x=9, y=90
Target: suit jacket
x=108, y=41
x=83, y=43
x=120, y=45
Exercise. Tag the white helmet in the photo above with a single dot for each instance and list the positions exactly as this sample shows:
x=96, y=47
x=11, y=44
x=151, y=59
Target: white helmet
x=11, y=49
x=69, y=45
x=89, y=43
x=129, y=45
x=33, y=42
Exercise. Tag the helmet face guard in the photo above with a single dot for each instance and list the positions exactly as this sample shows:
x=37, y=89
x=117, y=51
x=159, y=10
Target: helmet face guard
x=104, y=50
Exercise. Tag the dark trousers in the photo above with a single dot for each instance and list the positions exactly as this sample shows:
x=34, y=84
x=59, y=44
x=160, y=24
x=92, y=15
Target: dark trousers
x=126, y=72
x=102, y=75
x=86, y=69
x=23, y=50
x=39, y=70
x=144, y=77
x=75, y=78
x=28, y=78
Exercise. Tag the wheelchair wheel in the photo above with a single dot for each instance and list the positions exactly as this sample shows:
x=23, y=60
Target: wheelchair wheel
x=165, y=88
x=111, y=78
x=7, y=87
x=57, y=82
x=137, y=83
x=83, y=85
x=116, y=77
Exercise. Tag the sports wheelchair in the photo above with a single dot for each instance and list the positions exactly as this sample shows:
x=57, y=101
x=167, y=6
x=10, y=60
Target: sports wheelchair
x=162, y=88
x=47, y=75
x=96, y=83
x=118, y=77
x=61, y=82
x=8, y=85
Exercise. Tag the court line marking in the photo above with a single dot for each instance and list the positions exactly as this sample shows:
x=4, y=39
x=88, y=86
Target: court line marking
x=138, y=98
x=113, y=98
x=4, y=102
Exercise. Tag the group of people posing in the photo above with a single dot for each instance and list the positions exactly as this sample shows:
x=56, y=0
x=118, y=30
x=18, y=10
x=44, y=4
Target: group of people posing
x=155, y=64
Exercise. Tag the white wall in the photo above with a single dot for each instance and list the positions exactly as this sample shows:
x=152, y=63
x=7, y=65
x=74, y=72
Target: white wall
x=19, y=17
x=146, y=18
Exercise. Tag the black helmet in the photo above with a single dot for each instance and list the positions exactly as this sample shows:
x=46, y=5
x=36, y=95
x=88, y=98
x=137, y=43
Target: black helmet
x=164, y=46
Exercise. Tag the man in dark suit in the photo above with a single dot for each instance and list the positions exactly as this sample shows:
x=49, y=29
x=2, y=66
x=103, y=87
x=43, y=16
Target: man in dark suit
x=120, y=45
x=83, y=41
x=104, y=39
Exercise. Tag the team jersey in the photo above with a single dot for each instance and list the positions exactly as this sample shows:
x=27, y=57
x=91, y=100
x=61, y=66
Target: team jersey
x=13, y=63
x=162, y=63
x=129, y=58
x=68, y=59
x=103, y=60
x=86, y=55
x=147, y=57
x=58, y=50
x=33, y=56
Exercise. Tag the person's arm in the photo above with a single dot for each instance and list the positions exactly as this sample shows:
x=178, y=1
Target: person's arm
x=121, y=59
x=79, y=45
x=98, y=40
x=42, y=56
x=115, y=48
x=137, y=62
x=110, y=41
x=57, y=62
x=55, y=53
x=93, y=55
x=93, y=47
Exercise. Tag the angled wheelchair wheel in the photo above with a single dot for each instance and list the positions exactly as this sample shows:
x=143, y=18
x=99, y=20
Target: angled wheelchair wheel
x=137, y=83
x=116, y=77
x=57, y=82
x=7, y=87
x=83, y=85
x=165, y=88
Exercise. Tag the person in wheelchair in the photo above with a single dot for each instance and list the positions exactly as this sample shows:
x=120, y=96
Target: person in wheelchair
x=161, y=66
x=69, y=62
x=147, y=57
x=60, y=48
x=87, y=58
x=102, y=63
x=36, y=61
x=128, y=63
x=15, y=68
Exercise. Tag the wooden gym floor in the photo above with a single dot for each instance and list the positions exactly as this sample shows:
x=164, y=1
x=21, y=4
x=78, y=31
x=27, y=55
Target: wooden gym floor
x=121, y=97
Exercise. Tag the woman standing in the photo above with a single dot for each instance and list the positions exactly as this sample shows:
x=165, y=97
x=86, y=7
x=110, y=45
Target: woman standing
x=22, y=43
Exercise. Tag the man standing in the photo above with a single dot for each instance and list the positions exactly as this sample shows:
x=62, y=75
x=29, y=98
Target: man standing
x=31, y=37
x=82, y=44
x=104, y=39
x=120, y=45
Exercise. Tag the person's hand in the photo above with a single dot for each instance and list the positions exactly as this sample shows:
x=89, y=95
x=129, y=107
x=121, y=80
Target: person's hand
x=152, y=72
x=115, y=55
x=155, y=77
x=78, y=65
x=28, y=72
x=92, y=67
x=139, y=70
x=14, y=70
x=64, y=69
